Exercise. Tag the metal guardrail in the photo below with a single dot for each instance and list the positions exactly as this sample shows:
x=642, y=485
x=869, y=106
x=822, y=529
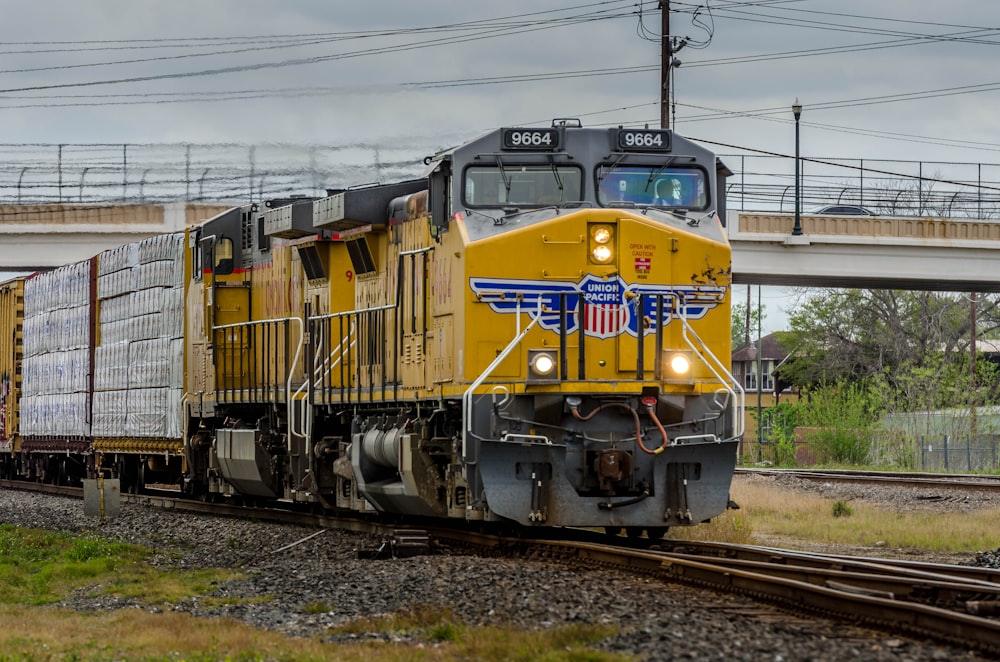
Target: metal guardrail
x=886, y=187
x=157, y=173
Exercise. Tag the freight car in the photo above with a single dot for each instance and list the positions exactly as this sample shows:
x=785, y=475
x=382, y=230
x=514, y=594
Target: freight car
x=534, y=332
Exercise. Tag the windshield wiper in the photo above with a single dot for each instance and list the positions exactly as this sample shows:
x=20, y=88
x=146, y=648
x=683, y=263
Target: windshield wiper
x=503, y=174
x=653, y=174
x=604, y=172
x=559, y=182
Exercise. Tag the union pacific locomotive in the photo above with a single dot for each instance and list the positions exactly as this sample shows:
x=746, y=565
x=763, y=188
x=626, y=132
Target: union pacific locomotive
x=537, y=331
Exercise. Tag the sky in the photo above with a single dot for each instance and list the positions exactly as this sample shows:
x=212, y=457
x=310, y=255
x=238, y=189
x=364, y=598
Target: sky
x=397, y=79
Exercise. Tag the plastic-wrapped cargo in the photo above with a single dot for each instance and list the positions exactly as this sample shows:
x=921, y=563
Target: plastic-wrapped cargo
x=110, y=408
x=144, y=314
x=161, y=247
x=111, y=366
x=57, y=364
x=147, y=413
x=118, y=259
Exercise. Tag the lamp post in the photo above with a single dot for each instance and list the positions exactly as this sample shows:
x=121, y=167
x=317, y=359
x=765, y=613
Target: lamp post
x=797, y=230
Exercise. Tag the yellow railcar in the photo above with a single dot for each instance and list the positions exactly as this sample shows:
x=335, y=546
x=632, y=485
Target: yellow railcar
x=11, y=355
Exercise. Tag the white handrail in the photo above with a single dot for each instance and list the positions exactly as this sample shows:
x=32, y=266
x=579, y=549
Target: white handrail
x=291, y=367
x=726, y=378
x=467, y=396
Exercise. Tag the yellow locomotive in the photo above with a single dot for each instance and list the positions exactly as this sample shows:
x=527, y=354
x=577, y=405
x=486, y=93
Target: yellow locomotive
x=537, y=331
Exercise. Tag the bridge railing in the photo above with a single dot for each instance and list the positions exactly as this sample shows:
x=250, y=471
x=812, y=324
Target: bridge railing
x=887, y=188
x=165, y=172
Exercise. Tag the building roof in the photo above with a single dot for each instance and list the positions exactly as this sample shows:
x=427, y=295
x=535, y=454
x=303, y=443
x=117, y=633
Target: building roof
x=770, y=349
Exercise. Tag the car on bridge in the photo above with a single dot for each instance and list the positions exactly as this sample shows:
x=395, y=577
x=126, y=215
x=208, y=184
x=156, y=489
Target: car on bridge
x=841, y=210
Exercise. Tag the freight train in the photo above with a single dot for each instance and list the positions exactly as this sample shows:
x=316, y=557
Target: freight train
x=535, y=332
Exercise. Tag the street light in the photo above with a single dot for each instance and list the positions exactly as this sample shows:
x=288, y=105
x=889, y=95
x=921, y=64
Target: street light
x=797, y=230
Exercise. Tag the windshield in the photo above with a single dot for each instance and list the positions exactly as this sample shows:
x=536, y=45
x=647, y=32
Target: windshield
x=653, y=186
x=516, y=185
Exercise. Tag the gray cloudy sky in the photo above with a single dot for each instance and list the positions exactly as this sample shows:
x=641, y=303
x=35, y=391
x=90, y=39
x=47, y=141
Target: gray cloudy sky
x=334, y=72
x=894, y=79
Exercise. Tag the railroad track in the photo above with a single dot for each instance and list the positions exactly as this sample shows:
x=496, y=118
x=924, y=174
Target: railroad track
x=951, y=604
x=977, y=482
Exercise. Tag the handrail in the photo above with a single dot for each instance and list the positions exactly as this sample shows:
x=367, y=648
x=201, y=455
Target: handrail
x=467, y=396
x=291, y=367
x=726, y=378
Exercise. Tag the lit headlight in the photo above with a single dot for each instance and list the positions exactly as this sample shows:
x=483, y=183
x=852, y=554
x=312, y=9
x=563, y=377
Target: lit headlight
x=601, y=234
x=541, y=364
x=602, y=243
x=679, y=364
x=601, y=254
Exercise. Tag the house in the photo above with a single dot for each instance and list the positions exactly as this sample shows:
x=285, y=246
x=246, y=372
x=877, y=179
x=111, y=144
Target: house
x=760, y=357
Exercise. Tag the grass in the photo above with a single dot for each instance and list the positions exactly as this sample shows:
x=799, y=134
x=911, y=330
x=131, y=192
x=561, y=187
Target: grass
x=39, y=568
x=767, y=511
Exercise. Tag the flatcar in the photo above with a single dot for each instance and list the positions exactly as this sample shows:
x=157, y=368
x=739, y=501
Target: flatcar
x=535, y=332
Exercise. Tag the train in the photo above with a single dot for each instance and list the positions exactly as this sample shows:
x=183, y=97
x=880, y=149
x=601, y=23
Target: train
x=535, y=333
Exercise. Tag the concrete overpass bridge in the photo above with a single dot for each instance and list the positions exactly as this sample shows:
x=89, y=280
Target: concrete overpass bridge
x=35, y=237
x=866, y=252
x=833, y=251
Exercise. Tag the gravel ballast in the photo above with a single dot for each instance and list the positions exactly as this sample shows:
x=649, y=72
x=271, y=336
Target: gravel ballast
x=656, y=621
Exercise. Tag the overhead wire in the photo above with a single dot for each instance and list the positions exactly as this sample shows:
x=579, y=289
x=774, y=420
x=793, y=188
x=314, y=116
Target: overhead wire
x=515, y=24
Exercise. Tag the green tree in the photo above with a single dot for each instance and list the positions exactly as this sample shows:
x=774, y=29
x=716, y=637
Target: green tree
x=744, y=327
x=850, y=334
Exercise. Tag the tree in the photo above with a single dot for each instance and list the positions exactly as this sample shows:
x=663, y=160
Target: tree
x=743, y=327
x=908, y=340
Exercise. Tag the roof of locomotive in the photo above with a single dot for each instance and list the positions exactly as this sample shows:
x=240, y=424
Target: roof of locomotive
x=584, y=145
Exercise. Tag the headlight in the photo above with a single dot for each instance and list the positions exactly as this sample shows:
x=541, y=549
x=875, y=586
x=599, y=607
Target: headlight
x=601, y=234
x=541, y=364
x=602, y=243
x=679, y=364
x=601, y=254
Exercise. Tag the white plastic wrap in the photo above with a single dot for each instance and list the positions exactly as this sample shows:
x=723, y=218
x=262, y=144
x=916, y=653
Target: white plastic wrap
x=161, y=247
x=147, y=412
x=176, y=364
x=111, y=366
x=110, y=409
x=149, y=363
x=63, y=415
x=162, y=273
x=174, y=413
x=56, y=372
x=115, y=283
x=118, y=259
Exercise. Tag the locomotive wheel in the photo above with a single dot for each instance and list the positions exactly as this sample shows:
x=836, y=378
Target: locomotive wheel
x=613, y=531
x=634, y=531
x=657, y=532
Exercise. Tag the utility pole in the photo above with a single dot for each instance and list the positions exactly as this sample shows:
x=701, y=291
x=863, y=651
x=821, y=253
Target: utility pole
x=665, y=63
x=973, y=408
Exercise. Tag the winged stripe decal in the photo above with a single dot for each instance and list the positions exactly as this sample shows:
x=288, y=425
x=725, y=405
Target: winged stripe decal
x=611, y=306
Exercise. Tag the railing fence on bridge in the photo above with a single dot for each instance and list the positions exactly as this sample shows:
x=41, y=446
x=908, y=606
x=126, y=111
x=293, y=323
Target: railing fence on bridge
x=164, y=172
x=886, y=187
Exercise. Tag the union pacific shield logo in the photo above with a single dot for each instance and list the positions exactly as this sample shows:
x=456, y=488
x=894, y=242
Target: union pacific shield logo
x=610, y=306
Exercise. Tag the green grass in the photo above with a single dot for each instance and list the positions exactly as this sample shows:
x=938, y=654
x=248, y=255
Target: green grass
x=38, y=568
